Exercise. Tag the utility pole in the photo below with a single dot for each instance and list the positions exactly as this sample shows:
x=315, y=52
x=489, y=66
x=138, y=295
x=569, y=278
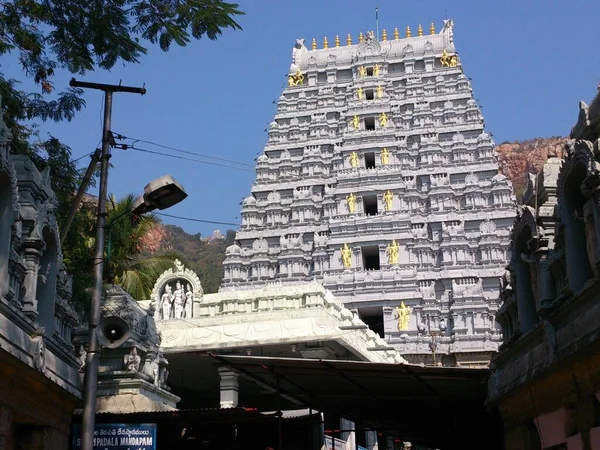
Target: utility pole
x=90, y=381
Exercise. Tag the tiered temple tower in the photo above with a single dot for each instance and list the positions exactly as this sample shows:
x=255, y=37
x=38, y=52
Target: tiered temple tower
x=379, y=181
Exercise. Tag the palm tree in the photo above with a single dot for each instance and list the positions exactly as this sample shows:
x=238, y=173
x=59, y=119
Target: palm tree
x=127, y=264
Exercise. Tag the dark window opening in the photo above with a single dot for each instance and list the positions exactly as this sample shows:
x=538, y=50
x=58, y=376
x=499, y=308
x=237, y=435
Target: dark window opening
x=373, y=317
x=369, y=71
x=369, y=123
x=370, y=205
x=370, y=160
x=369, y=94
x=370, y=256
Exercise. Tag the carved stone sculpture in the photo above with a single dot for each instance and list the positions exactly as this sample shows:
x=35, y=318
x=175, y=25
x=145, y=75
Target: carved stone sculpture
x=166, y=303
x=403, y=312
x=393, y=251
x=351, y=203
x=354, y=159
x=385, y=156
x=388, y=198
x=131, y=361
x=346, y=256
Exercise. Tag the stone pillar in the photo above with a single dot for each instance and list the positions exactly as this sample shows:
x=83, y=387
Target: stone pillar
x=33, y=251
x=229, y=387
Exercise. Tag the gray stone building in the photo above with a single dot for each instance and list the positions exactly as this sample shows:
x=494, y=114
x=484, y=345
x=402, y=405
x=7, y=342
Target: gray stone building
x=39, y=378
x=545, y=380
x=379, y=181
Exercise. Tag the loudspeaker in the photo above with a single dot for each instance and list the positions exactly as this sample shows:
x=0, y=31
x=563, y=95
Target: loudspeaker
x=113, y=332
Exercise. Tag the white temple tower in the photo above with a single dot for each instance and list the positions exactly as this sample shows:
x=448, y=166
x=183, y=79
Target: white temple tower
x=379, y=181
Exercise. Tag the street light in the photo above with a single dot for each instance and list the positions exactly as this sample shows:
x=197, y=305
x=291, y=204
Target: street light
x=161, y=193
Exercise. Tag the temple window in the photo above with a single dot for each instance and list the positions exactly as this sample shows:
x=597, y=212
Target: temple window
x=370, y=255
x=369, y=94
x=370, y=123
x=370, y=205
x=373, y=317
x=370, y=160
x=369, y=71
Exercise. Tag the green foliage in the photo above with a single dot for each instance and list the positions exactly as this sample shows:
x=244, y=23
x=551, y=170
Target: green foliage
x=134, y=272
x=202, y=256
x=79, y=36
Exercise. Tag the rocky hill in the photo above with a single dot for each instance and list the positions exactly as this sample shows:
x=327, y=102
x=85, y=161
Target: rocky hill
x=205, y=256
x=517, y=159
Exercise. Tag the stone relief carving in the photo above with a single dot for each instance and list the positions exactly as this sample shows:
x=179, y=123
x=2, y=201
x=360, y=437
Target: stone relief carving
x=131, y=361
x=175, y=293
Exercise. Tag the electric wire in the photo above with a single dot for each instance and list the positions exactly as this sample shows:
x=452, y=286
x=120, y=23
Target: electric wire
x=214, y=222
x=145, y=150
x=187, y=152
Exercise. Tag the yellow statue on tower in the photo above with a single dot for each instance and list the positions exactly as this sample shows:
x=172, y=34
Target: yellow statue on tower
x=346, y=256
x=403, y=312
x=359, y=92
x=379, y=91
x=297, y=79
x=376, y=70
x=362, y=72
x=351, y=202
x=387, y=199
x=393, y=251
x=354, y=159
x=355, y=122
x=385, y=156
x=383, y=119
x=447, y=60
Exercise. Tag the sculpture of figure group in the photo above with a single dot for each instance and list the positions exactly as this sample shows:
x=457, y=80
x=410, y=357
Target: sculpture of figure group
x=176, y=304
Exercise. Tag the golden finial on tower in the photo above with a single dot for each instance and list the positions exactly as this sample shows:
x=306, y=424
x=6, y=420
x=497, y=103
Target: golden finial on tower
x=384, y=35
x=432, y=28
x=337, y=40
x=360, y=37
x=408, y=33
x=349, y=40
x=420, y=30
x=396, y=34
x=325, y=42
x=314, y=44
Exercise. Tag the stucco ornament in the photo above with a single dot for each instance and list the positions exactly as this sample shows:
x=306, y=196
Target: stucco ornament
x=175, y=293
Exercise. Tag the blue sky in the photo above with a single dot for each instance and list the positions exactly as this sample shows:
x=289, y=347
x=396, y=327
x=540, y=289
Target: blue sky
x=530, y=62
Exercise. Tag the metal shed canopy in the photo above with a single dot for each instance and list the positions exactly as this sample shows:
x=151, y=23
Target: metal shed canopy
x=441, y=407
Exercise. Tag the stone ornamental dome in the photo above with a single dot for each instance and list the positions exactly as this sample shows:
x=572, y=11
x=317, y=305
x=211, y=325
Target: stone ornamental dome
x=273, y=125
x=263, y=158
x=233, y=250
x=250, y=200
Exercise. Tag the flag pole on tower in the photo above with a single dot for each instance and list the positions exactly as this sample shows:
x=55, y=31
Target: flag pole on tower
x=377, y=22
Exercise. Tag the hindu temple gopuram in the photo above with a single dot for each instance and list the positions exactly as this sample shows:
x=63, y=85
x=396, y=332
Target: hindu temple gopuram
x=379, y=182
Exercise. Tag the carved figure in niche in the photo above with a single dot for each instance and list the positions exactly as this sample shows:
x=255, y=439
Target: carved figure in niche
x=82, y=357
x=166, y=303
x=296, y=80
x=187, y=306
x=355, y=122
x=388, y=197
x=376, y=70
x=354, y=159
x=393, y=251
x=178, y=296
x=360, y=93
x=385, y=156
x=362, y=71
x=379, y=91
x=453, y=60
x=351, y=202
x=383, y=119
x=445, y=59
x=346, y=256
x=403, y=312
x=132, y=361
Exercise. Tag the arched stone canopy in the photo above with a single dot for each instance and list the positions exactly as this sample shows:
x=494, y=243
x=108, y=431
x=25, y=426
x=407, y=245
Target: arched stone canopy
x=167, y=283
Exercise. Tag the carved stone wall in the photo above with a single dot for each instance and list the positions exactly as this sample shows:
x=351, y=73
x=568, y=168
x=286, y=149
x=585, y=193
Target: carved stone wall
x=376, y=143
x=35, y=317
x=547, y=371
